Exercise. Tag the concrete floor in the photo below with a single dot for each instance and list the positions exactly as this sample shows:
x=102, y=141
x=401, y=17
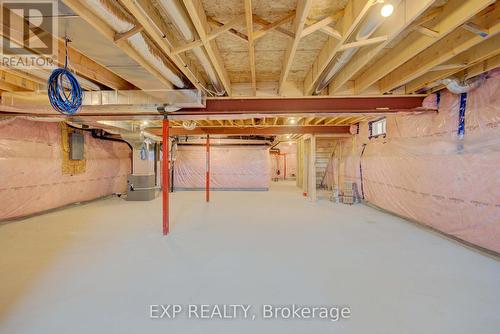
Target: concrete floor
x=96, y=268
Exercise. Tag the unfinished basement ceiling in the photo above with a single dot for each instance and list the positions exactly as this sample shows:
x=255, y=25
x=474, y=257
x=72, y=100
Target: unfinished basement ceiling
x=84, y=37
x=316, y=47
x=296, y=48
x=271, y=48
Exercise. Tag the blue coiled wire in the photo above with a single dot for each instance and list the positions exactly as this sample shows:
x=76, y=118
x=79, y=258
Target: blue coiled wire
x=64, y=90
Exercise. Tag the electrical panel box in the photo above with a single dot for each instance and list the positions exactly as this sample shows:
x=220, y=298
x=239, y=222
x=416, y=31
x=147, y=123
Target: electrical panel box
x=76, y=141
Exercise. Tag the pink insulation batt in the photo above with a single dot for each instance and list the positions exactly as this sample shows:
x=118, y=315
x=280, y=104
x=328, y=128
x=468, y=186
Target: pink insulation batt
x=231, y=167
x=423, y=171
x=31, y=178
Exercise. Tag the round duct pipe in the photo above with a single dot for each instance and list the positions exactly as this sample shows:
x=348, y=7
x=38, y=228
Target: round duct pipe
x=455, y=86
x=369, y=25
x=189, y=125
x=116, y=17
x=181, y=21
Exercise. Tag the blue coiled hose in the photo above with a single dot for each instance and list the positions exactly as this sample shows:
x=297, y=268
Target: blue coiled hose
x=65, y=92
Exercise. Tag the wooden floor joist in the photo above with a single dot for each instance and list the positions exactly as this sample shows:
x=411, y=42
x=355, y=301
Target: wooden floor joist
x=455, y=43
x=303, y=7
x=149, y=17
x=354, y=13
x=11, y=82
x=251, y=48
x=483, y=51
x=405, y=14
x=454, y=14
x=80, y=63
x=102, y=27
x=197, y=14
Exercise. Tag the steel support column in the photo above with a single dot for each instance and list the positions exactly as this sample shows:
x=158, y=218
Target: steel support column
x=165, y=177
x=207, y=176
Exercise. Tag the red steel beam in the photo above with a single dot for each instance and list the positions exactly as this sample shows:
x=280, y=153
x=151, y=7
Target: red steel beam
x=165, y=177
x=268, y=130
x=326, y=105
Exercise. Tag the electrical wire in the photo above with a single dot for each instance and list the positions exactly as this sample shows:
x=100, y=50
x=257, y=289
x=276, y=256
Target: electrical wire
x=64, y=90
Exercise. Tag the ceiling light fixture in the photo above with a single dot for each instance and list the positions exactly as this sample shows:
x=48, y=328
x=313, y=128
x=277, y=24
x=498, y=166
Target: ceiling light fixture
x=292, y=121
x=387, y=10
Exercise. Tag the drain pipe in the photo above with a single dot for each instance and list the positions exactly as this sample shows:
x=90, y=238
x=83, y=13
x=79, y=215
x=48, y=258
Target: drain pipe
x=182, y=22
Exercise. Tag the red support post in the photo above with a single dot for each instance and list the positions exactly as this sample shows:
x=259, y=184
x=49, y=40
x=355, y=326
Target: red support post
x=165, y=177
x=284, y=168
x=207, y=176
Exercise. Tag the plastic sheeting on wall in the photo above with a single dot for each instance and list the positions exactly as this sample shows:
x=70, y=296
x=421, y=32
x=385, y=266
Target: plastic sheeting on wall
x=286, y=159
x=231, y=167
x=31, y=178
x=424, y=171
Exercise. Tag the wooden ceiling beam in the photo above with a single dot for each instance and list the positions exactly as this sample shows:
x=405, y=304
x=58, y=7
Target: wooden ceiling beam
x=331, y=121
x=125, y=35
x=366, y=42
x=303, y=7
x=226, y=27
x=447, y=48
x=454, y=14
x=407, y=15
x=232, y=31
x=24, y=75
x=477, y=54
x=271, y=26
x=251, y=49
x=331, y=32
x=148, y=16
x=11, y=82
x=319, y=120
x=354, y=13
x=319, y=25
x=197, y=14
x=81, y=64
x=102, y=27
x=474, y=70
x=257, y=19
x=480, y=68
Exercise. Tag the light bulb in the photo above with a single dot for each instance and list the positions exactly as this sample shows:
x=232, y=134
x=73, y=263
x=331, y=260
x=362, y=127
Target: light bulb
x=387, y=10
x=292, y=120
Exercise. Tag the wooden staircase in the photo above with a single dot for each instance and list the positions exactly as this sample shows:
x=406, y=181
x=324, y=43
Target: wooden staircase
x=324, y=150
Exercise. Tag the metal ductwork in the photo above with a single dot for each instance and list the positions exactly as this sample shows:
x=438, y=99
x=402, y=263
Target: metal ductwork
x=44, y=73
x=369, y=25
x=183, y=24
x=189, y=125
x=456, y=86
x=116, y=17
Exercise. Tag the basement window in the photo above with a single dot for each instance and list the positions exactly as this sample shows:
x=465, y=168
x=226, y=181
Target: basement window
x=377, y=128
